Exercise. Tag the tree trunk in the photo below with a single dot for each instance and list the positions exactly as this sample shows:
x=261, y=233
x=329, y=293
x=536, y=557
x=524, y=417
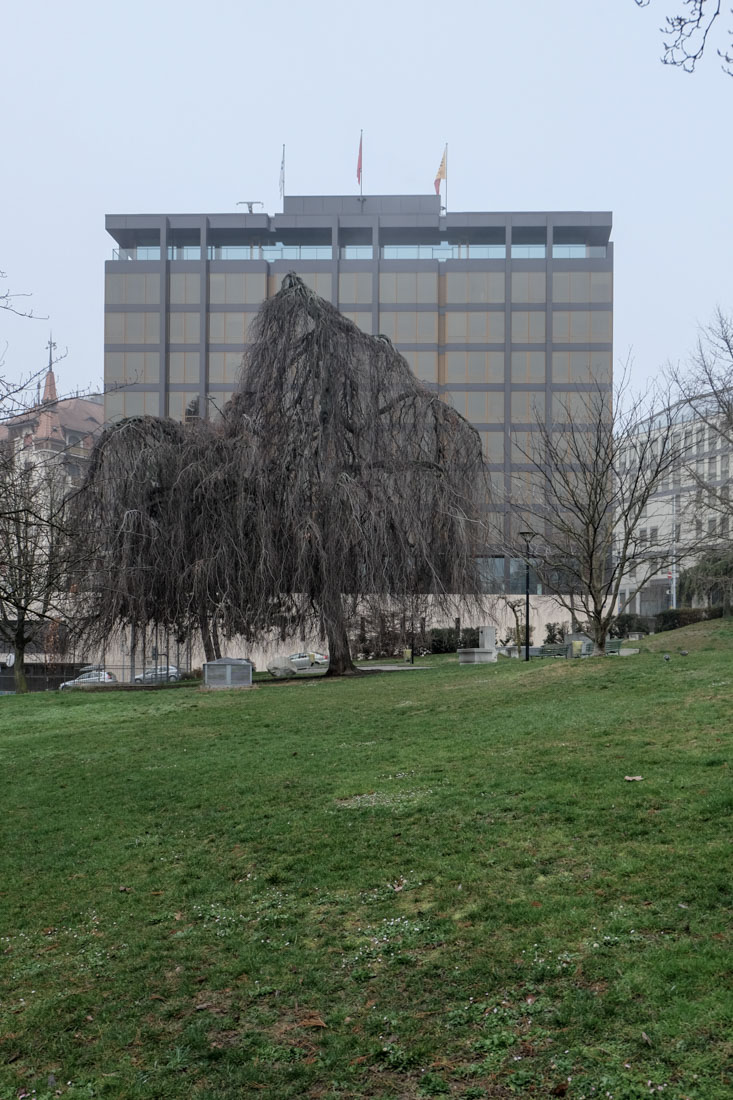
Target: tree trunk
x=206, y=636
x=339, y=654
x=21, y=683
x=599, y=640
x=215, y=640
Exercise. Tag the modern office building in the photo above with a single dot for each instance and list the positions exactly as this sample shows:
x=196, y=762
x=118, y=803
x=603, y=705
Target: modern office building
x=502, y=313
x=689, y=513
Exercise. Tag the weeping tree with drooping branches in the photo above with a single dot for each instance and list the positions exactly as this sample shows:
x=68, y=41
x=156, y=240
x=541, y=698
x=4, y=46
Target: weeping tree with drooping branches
x=334, y=476
x=361, y=482
x=151, y=515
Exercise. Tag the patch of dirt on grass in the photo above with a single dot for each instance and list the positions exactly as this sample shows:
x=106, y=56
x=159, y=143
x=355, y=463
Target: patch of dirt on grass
x=222, y=1040
x=380, y=798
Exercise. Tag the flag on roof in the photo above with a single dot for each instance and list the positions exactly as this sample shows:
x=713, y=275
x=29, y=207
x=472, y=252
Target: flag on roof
x=442, y=171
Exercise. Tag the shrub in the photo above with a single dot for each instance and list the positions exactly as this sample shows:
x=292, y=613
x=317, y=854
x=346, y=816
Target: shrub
x=685, y=616
x=443, y=639
x=555, y=633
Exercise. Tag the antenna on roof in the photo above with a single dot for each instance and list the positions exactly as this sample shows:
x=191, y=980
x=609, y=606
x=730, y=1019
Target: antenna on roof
x=249, y=203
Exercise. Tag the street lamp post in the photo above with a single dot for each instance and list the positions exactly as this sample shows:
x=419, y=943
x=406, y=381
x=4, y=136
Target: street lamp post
x=527, y=536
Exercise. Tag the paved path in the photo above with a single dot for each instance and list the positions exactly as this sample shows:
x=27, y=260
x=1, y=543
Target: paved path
x=391, y=668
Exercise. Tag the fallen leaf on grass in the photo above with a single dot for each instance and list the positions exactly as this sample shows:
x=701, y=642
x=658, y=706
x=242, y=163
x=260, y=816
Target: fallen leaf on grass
x=633, y=778
x=646, y=1038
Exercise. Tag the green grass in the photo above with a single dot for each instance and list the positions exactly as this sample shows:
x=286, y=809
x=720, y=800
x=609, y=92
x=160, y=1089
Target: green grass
x=417, y=884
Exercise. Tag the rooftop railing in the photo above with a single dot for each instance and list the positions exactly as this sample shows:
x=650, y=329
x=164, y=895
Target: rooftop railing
x=270, y=252
x=138, y=252
x=578, y=251
x=443, y=252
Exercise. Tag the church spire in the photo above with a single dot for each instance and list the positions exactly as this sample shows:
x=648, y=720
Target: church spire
x=49, y=387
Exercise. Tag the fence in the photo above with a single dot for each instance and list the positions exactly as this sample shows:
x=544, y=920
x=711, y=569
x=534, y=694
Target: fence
x=50, y=677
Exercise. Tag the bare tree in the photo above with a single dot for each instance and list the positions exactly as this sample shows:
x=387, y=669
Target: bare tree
x=14, y=396
x=35, y=553
x=686, y=34
x=705, y=387
x=590, y=473
x=10, y=300
x=362, y=482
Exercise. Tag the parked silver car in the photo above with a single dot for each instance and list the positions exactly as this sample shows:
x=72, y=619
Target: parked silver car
x=158, y=674
x=299, y=664
x=300, y=661
x=91, y=676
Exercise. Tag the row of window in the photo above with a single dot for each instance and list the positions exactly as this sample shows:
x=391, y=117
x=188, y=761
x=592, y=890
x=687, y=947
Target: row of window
x=443, y=251
x=183, y=405
x=525, y=406
x=130, y=367
x=450, y=367
x=401, y=326
x=494, y=580
x=356, y=288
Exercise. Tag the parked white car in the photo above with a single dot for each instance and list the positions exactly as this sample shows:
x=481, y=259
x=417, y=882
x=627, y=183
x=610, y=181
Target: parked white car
x=92, y=676
x=300, y=661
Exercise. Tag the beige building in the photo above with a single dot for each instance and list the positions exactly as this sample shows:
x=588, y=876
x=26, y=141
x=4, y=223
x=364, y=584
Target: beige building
x=505, y=315
x=60, y=430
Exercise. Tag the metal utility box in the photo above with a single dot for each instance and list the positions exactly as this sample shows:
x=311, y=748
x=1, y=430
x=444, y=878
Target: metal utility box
x=228, y=672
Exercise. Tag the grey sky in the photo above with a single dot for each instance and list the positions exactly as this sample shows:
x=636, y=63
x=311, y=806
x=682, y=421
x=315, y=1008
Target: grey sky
x=162, y=106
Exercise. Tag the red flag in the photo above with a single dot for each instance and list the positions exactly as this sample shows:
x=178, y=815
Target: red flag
x=358, y=163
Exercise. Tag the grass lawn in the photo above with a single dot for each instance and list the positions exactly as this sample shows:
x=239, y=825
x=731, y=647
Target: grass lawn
x=417, y=884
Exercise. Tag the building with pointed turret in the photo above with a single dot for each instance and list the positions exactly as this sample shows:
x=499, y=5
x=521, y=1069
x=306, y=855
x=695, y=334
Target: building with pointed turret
x=62, y=430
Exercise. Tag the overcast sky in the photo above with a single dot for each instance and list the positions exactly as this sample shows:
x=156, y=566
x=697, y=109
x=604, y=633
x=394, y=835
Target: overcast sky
x=182, y=107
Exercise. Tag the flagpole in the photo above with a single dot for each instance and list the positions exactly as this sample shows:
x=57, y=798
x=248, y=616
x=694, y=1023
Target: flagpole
x=282, y=178
x=442, y=174
x=361, y=164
